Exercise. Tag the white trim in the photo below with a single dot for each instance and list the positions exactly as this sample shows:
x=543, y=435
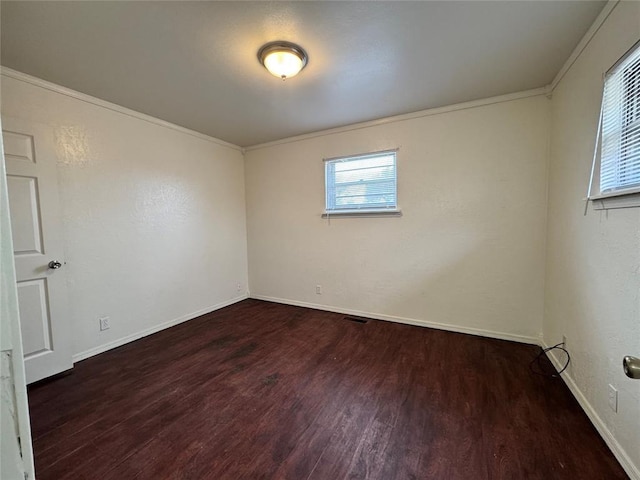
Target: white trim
x=598, y=22
x=38, y=82
x=627, y=199
x=408, y=321
x=407, y=116
x=362, y=213
x=149, y=331
x=358, y=156
x=619, y=452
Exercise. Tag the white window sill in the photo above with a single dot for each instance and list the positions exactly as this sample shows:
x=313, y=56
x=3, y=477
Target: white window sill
x=621, y=199
x=363, y=213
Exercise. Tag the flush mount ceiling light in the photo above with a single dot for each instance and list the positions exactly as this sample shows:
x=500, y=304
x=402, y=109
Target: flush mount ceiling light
x=282, y=59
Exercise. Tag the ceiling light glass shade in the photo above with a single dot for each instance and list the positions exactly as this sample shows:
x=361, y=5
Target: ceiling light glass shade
x=282, y=59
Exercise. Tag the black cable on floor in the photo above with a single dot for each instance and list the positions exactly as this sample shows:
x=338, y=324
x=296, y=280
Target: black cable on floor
x=536, y=367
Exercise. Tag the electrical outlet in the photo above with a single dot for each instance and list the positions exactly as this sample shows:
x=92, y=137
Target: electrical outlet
x=318, y=289
x=104, y=323
x=239, y=286
x=613, y=398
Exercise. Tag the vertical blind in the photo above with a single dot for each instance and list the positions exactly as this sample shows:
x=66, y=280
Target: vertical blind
x=620, y=147
x=362, y=182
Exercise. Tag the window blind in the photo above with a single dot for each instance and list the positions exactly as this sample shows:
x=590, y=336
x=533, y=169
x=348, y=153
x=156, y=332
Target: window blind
x=620, y=147
x=362, y=182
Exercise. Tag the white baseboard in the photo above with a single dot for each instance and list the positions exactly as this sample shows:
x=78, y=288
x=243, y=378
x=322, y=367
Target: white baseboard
x=408, y=321
x=130, y=338
x=627, y=464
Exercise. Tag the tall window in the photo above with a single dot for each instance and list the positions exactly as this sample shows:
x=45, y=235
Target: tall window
x=620, y=150
x=361, y=183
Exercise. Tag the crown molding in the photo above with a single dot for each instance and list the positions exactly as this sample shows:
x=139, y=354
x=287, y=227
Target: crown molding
x=38, y=82
x=407, y=116
x=582, y=44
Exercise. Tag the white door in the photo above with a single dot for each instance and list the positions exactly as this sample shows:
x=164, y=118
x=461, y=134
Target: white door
x=37, y=244
x=16, y=454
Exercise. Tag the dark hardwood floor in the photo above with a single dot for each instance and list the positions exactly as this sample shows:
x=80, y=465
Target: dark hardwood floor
x=266, y=391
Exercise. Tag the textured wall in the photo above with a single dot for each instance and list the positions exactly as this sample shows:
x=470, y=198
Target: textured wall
x=468, y=251
x=593, y=262
x=153, y=218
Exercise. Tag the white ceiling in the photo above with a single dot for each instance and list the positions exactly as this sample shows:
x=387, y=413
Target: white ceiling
x=195, y=64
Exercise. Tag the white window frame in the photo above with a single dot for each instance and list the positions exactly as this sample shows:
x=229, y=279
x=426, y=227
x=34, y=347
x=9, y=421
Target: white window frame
x=623, y=197
x=365, y=211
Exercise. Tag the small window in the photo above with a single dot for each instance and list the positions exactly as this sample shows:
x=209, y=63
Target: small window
x=361, y=183
x=620, y=144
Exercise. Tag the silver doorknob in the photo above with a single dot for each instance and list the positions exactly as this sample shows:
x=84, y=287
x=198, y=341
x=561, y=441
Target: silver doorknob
x=54, y=264
x=631, y=367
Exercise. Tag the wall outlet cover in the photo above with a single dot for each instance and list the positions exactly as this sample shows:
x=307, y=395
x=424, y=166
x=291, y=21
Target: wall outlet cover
x=613, y=398
x=104, y=323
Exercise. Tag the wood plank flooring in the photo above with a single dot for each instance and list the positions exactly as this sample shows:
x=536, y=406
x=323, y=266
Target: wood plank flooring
x=260, y=390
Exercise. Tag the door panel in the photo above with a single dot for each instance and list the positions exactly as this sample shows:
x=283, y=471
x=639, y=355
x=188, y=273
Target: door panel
x=18, y=147
x=25, y=215
x=37, y=239
x=35, y=318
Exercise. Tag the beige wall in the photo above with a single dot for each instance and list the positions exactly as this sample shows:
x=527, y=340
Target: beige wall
x=593, y=262
x=153, y=218
x=468, y=251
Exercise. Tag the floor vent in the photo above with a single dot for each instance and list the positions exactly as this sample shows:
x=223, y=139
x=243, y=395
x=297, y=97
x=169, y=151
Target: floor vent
x=356, y=319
